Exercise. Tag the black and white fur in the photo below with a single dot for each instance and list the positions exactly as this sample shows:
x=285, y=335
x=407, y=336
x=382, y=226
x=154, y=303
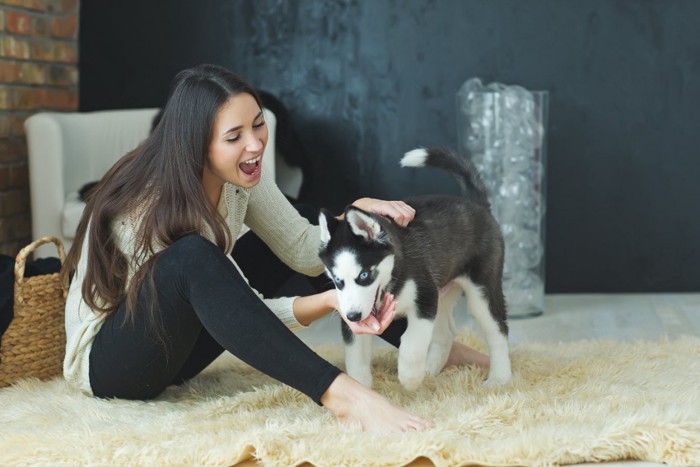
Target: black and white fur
x=452, y=246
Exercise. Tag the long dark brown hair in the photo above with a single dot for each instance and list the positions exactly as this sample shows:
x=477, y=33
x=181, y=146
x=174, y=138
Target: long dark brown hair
x=162, y=180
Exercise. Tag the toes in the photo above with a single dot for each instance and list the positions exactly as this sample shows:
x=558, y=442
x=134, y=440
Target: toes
x=416, y=424
x=427, y=425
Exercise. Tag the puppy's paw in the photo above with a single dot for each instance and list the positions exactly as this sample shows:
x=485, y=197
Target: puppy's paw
x=497, y=379
x=411, y=380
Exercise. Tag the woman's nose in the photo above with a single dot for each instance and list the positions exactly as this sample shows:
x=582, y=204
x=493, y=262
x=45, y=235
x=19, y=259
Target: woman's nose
x=254, y=143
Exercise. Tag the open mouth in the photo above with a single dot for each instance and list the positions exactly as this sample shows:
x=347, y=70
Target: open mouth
x=251, y=167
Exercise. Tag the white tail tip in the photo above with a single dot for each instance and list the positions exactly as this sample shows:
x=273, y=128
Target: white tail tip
x=414, y=158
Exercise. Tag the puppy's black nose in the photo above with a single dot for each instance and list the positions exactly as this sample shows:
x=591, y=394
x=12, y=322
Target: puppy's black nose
x=354, y=316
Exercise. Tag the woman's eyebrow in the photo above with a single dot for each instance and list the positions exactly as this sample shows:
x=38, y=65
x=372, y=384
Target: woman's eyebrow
x=236, y=128
x=231, y=130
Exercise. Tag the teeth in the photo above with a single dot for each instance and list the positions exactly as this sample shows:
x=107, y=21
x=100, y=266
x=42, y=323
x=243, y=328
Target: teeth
x=253, y=161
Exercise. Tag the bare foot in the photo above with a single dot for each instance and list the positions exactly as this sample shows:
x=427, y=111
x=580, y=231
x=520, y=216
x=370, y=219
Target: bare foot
x=461, y=355
x=352, y=402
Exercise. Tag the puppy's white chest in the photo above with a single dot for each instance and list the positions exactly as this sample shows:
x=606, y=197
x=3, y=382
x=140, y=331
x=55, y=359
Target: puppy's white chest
x=406, y=299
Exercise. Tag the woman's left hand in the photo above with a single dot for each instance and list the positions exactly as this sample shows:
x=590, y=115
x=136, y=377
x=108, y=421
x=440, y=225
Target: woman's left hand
x=399, y=211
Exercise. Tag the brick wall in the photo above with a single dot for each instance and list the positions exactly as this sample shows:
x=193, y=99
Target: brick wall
x=38, y=71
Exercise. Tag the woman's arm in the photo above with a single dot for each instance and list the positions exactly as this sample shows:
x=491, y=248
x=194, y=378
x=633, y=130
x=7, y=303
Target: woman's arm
x=312, y=307
x=280, y=226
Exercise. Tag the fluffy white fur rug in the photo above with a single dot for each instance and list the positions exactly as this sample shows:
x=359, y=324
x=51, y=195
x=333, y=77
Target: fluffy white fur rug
x=568, y=403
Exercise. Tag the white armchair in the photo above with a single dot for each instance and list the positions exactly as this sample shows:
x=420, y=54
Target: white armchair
x=68, y=150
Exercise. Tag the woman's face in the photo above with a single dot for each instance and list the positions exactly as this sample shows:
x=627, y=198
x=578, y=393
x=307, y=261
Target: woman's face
x=237, y=145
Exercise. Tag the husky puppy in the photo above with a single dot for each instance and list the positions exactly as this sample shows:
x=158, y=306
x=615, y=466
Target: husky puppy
x=452, y=246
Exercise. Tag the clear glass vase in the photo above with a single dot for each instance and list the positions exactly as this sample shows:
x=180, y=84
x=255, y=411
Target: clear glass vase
x=502, y=130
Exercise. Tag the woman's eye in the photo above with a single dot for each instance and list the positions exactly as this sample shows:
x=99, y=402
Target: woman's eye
x=258, y=125
x=233, y=140
x=364, y=275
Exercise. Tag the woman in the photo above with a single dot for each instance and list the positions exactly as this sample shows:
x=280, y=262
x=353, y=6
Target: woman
x=154, y=296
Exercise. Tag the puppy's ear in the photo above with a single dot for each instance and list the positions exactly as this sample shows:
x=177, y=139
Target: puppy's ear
x=364, y=225
x=328, y=224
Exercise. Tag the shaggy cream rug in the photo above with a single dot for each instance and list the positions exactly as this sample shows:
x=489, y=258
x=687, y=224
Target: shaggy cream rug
x=568, y=403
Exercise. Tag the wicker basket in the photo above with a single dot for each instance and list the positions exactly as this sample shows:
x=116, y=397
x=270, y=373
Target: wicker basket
x=34, y=343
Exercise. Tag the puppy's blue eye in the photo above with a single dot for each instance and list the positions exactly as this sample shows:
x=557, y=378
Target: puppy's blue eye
x=337, y=280
x=364, y=275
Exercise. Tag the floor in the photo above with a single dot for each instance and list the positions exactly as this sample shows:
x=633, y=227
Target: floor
x=576, y=317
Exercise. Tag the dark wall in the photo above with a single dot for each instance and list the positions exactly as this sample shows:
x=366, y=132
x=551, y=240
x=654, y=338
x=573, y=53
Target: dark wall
x=366, y=80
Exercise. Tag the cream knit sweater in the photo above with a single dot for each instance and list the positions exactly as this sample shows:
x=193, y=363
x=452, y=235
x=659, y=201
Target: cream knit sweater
x=263, y=208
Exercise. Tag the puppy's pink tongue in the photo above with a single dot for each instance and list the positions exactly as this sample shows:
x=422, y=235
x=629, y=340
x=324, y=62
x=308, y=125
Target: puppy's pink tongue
x=248, y=168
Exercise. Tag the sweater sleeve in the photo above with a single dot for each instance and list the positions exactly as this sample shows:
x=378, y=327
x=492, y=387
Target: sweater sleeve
x=290, y=236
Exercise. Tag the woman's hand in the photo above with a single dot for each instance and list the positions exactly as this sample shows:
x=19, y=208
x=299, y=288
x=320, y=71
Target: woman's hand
x=375, y=324
x=310, y=308
x=399, y=211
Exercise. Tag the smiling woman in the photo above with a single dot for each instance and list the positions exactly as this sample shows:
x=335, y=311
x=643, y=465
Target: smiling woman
x=157, y=292
x=236, y=150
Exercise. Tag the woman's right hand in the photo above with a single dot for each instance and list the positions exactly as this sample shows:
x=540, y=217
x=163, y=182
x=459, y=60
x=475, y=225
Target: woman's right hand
x=374, y=324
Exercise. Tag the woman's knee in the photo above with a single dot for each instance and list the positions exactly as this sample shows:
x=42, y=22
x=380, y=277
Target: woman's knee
x=192, y=244
x=188, y=250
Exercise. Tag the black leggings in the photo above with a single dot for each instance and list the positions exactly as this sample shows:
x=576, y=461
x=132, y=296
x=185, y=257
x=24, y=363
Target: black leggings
x=205, y=306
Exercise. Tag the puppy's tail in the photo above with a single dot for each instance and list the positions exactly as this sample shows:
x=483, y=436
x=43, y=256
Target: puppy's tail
x=443, y=158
